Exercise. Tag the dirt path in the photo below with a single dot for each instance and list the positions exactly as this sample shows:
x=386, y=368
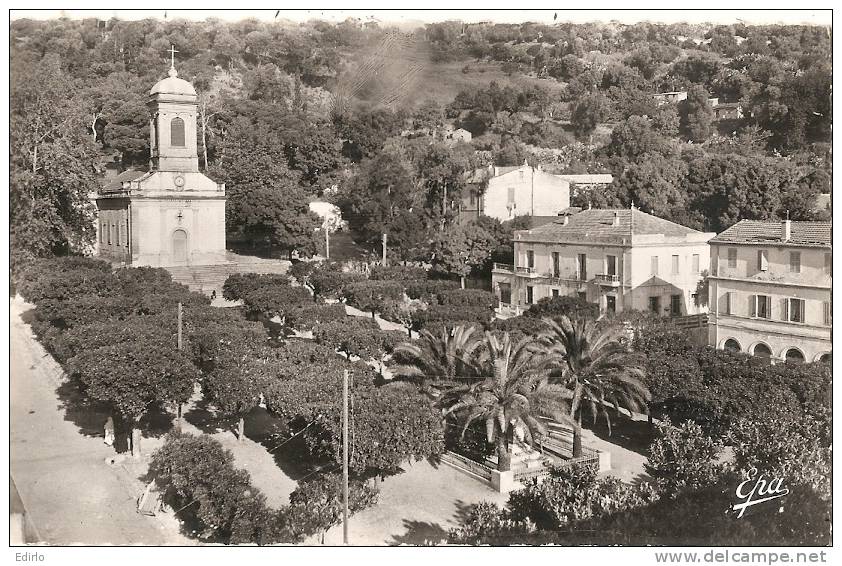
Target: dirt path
x=416, y=507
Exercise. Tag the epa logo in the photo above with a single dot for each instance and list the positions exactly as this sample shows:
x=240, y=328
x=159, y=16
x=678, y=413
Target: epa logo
x=755, y=490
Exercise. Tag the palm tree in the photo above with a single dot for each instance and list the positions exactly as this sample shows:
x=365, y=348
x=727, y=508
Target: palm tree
x=598, y=368
x=513, y=393
x=436, y=360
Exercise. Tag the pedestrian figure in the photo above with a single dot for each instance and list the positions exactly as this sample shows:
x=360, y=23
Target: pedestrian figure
x=109, y=431
x=213, y=295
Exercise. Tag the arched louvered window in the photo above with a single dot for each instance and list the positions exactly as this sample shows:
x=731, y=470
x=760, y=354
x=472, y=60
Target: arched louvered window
x=177, y=132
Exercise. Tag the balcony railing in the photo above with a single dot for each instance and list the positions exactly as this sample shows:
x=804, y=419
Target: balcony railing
x=526, y=270
x=507, y=267
x=606, y=278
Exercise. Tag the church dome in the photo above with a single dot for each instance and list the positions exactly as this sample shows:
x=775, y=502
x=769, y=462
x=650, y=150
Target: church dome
x=173, y=85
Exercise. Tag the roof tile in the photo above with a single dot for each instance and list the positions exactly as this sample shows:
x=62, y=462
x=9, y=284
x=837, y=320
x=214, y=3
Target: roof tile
x=760, y=231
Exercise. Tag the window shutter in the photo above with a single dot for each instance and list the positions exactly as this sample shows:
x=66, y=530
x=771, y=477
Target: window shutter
x=784, y=309
x=752, y=305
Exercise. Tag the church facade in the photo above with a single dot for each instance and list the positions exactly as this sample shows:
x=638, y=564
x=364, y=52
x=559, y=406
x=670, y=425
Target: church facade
x=171, y=215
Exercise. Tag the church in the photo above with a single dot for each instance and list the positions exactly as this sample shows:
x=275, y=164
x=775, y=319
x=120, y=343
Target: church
x=171, y=215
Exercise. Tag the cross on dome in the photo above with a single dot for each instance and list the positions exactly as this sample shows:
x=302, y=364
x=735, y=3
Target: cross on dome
x=172, y=72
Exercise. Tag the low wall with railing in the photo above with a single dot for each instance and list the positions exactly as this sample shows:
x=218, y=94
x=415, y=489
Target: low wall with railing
x=514, y=479
x=589, y=457
x=466, y=464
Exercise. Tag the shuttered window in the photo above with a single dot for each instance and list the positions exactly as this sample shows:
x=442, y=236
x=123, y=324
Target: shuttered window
x=732, y=257
x=792, y=310
x=762, y=260
x=795, y=262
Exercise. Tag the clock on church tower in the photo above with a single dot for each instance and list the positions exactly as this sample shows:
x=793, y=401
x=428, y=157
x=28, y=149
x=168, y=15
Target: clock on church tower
x=171, y=215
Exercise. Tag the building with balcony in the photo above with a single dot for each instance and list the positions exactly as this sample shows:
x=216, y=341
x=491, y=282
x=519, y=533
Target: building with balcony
x=770, y=290
x=620, y=259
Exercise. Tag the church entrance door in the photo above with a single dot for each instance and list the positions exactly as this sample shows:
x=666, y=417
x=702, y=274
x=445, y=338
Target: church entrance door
x=179, y=246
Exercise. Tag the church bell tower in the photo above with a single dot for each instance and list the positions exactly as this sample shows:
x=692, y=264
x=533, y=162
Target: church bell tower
x=172, y=127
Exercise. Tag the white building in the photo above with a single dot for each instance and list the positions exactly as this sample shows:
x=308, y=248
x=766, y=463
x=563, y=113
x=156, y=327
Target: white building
x=620, y=259
x=171, y=215
x=770, y=290
x=515, y=191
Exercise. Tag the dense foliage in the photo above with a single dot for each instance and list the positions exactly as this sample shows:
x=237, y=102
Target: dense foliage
x=292, y=111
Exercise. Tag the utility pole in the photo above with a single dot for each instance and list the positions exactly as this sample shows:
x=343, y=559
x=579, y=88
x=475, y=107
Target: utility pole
x=345, y=457
x=385, y=238
x=178, y=415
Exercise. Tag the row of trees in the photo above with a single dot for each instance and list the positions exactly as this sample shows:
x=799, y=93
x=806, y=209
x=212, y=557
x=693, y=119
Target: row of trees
x=115, y=333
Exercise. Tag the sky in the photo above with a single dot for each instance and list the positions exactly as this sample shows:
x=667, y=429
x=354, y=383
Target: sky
x=413, y=17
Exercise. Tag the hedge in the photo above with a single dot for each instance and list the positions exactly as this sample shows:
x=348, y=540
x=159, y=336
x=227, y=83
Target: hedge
x=197, y=477
x=309, y=317
x=468, y=298
x=238, y=285
x=428, y=290
x=275, y=300
x=372, y=296
x=573, y=307
x=398, y=273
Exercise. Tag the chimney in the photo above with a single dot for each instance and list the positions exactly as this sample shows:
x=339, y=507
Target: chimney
x=787, y=229
x=616, y=221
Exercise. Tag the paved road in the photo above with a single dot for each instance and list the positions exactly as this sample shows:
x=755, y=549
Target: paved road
x=71, y=494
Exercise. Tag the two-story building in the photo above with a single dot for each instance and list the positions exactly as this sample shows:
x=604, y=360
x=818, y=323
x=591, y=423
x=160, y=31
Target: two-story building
x=770, y=290
x=621, y=259
x=506, y=192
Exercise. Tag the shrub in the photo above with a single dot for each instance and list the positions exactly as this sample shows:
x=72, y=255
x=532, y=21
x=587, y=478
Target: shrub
x=35, y=279
x=392, y=424
x=39, y=284
x=72, y=341
x=309, y=317
x=573, y=307
x=354, y=336
x=211, y=332
x=398, y=273
x=197, y=477
x=238, y=285
x=301, y=270
x=526, y=325
x=372, y=296
x=316, y=505
x=468, y=298
x=572, y=495
x=486, y=523
x=453, y=316
x=428, y=290
x=328, y=280
x=683, y=459
x=132, y=375
x=795, y=448
x=275, y=300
